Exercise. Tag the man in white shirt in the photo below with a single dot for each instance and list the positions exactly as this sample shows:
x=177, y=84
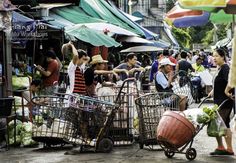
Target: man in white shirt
x=76, y=69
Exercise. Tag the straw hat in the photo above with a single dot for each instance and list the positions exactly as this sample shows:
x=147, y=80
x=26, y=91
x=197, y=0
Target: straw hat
x=97, y=59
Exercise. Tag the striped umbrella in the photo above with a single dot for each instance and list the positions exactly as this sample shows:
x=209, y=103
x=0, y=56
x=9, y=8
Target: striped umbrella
x=220, y=9
x=180, y=17
x=206, y=5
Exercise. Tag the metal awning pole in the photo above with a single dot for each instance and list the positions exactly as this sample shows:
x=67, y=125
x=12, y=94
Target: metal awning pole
x=233, y=25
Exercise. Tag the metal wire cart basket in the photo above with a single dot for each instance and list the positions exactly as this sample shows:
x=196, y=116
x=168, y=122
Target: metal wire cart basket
x=50, y=123
x=150, y=108
x=122, y=128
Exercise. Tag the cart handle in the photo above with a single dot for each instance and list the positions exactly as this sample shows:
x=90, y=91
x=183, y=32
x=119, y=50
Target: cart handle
x=218, y=106
x=199, y=105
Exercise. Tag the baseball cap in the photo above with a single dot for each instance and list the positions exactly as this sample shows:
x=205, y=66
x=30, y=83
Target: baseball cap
x=166, y=61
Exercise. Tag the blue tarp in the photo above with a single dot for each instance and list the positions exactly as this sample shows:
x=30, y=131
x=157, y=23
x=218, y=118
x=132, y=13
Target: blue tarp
x=24, y=28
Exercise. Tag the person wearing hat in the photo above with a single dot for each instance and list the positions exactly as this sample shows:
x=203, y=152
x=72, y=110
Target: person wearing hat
x=94, y=74
x=76, y=70
x=50, y=74
x=128, y=68
x=165, y=77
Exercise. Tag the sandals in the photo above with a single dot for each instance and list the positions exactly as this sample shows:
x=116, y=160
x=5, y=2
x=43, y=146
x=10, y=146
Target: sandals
x=221, y=152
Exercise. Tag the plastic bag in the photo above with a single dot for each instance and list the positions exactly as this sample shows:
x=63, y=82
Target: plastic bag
x=216, y=127
x=233, y=124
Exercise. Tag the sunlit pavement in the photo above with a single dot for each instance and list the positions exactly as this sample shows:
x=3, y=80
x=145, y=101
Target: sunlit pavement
x=202, y=143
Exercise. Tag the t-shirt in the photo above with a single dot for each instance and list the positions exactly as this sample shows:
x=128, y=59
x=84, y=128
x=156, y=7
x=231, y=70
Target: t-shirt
x=71, y=73
x=199, y=68
x=53, y=67
x=154, y=70
x=123, y=76
x=162, y=82
x=220, y=83
x=91, y=77
x=91, y=81
x=184, y=65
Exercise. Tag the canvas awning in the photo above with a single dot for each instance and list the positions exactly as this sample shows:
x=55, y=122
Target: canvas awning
x=170, y=35
x=67, y=18
x=75, y=14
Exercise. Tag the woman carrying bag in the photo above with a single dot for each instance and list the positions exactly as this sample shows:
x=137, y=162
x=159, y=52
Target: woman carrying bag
x=219, y=85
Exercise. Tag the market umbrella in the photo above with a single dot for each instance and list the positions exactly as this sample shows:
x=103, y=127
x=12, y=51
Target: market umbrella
x=221, y=17
x=141, y=49
x=205, y=5
x=180, y=17
x=106, y=26
x=220, y=9
x=92, y=37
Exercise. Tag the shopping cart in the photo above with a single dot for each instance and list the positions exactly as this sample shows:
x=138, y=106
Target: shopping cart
x=175, y=133
x=50, y=125
x=122, y=128
x=182, y=85
x=150, y=108
x=92, y=121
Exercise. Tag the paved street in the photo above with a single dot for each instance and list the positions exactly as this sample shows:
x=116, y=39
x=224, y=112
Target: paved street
x=203, y=145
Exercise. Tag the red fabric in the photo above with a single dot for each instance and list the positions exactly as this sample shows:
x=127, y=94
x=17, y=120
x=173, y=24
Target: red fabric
x=53, y=67
x=95, y=51
x=173, y=60
x=104, y=51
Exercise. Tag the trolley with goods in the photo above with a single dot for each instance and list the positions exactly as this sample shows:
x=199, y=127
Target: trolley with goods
x=49, y=120
x=182, y=85
x=175, y=133
x=122, y=129
x=91, y=120
x=150, y=108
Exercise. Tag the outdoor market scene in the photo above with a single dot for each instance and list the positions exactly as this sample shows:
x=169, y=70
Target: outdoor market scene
x=117, y=81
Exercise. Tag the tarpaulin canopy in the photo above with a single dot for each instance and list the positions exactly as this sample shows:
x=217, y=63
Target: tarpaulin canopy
x=133, y=39
x=93, y=37
x=160, y=43
x=137, y=49
x=75, y=15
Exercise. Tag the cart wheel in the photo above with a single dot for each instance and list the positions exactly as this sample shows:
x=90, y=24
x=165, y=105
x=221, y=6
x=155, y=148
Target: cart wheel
x=191, y=154
x=81, y=148
x=169, y=153
x=141, y=145
x=105, y=145
x=47, y=145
